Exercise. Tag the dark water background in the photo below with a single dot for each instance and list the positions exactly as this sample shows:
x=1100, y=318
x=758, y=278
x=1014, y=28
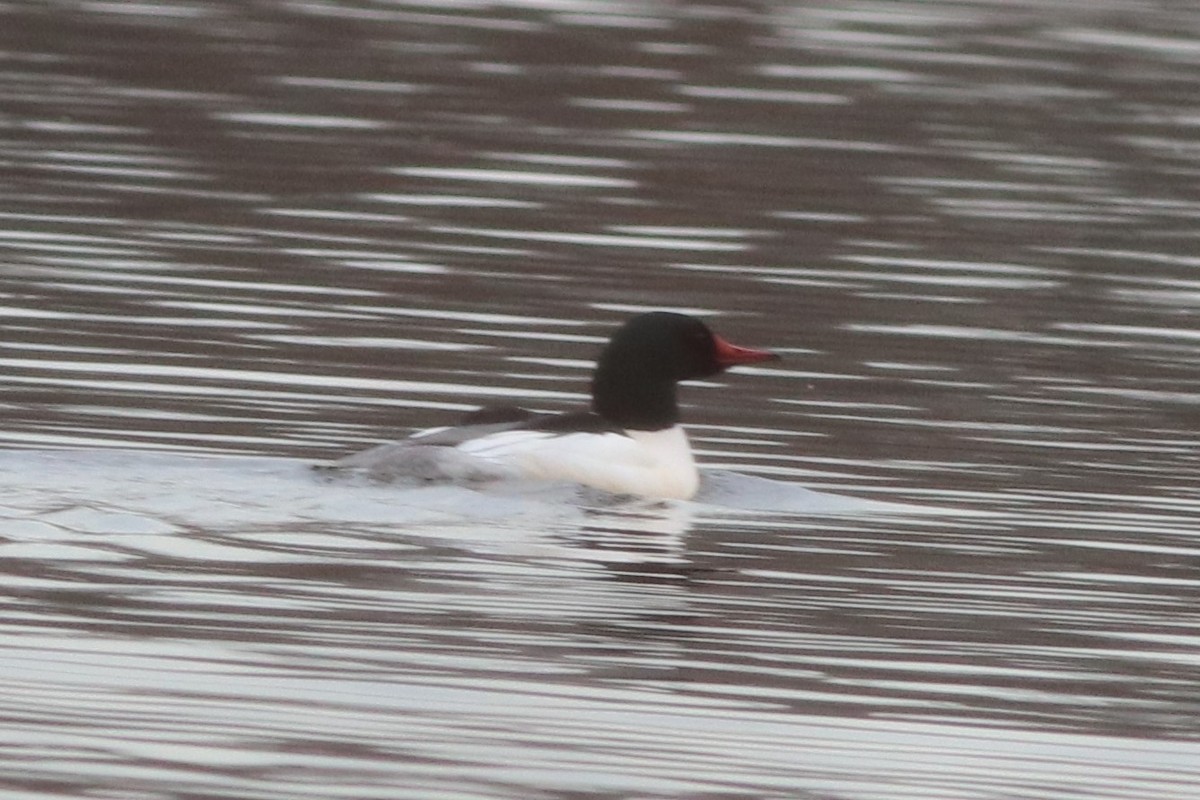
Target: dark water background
x=292, y=229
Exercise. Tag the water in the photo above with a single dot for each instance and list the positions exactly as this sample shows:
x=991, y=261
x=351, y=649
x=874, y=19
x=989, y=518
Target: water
x=236, y=239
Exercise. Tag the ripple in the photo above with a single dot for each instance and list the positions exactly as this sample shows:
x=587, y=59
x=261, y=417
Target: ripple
x=760, y=140
x=517, y=177
x=279, y=119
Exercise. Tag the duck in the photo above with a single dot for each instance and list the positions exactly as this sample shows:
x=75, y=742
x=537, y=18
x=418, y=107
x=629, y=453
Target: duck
x=630, y=440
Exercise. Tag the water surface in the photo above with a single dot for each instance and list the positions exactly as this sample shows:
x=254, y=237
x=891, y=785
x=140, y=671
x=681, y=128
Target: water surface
x=236, y=239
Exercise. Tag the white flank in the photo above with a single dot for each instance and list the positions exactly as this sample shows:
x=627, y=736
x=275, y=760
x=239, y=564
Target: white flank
x=645, y=463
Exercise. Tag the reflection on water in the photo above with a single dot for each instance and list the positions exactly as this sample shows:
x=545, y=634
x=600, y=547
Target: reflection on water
x=295, y=229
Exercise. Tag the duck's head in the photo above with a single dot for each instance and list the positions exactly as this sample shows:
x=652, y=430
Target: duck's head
x=634, y=382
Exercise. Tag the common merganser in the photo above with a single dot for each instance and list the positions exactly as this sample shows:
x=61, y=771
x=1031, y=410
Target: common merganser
x=629, y=442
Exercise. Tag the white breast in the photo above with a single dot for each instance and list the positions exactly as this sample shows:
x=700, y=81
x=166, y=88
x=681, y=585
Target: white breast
x=645, y=463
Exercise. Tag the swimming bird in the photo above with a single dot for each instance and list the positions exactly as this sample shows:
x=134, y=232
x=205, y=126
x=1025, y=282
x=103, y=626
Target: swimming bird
x=629, y=441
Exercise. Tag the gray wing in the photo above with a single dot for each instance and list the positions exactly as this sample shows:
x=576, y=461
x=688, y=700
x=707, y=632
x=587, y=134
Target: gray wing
x=431, y=455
